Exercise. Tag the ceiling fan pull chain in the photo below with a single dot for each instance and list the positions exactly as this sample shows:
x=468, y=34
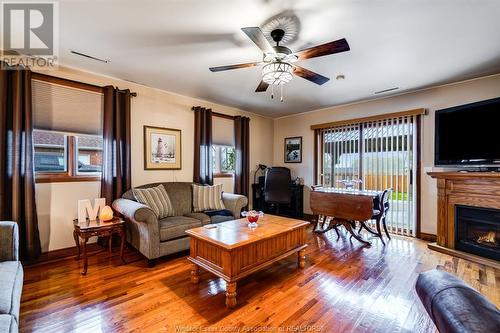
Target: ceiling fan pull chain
x=272, y=91
x=281, y=86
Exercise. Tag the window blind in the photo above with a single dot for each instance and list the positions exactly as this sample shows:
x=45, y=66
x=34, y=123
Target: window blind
x=65, y=109
x=222, y=131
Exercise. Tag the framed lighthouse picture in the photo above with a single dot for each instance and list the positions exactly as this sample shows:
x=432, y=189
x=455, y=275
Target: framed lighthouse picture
x=162, y=148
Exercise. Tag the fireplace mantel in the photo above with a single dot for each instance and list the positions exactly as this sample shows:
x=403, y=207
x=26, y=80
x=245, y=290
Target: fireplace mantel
x=478, y=189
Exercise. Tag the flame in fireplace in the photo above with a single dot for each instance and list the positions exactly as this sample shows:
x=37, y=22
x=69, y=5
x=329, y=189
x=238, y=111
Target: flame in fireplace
x=487, y=238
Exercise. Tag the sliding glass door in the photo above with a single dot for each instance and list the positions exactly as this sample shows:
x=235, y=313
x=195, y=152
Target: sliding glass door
x=375, y=155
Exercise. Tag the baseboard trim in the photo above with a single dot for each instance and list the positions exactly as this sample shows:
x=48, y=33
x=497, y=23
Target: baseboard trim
x=62, y=254
x=428, y=237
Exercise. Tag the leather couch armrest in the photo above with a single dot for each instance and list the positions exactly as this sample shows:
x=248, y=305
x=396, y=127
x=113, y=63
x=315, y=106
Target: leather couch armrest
x=454, y=306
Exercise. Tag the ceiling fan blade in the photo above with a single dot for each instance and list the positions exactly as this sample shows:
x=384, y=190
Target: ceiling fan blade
x=236, y=66
x=309, y=75
x=337, y=46
x=257, y=36
x=262, y=87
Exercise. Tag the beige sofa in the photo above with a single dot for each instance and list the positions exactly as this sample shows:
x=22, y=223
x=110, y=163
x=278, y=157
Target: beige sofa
x=155, y=238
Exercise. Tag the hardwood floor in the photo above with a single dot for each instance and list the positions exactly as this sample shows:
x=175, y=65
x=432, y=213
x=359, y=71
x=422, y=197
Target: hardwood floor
x=345, y=287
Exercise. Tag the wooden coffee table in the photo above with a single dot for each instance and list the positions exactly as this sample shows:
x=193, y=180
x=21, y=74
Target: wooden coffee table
x=232, y=250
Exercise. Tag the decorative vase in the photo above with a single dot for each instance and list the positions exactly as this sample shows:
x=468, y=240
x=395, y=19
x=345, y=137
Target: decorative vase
x=252, y=217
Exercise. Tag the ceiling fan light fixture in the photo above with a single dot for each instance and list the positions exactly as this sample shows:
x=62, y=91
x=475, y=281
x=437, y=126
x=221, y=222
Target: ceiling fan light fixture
x=277, y=73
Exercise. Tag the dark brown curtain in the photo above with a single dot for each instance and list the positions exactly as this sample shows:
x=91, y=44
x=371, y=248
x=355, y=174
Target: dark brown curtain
x=17, y=176
x=202, y=169
x=116, y=176
x=242, y=167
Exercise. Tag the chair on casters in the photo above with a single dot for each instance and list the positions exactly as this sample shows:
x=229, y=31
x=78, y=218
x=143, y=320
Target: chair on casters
x=277, y=188
x=379, y=215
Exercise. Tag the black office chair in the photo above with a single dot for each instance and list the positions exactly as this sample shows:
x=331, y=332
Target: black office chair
x=277, y=188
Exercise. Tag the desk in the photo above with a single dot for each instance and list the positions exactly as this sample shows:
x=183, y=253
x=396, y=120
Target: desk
x=345, y=207
x=296, y=208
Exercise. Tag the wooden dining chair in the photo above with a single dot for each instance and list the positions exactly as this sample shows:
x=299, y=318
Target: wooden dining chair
x=379, y=215
x=384, y=208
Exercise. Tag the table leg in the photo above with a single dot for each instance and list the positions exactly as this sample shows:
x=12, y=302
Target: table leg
x=75, y=236
x=302, y=258
x=348, y=226
x=122, y=245
x=85, y=258
x=332, y=224
x=231, y=294
x=110, y=243
x=195, y=273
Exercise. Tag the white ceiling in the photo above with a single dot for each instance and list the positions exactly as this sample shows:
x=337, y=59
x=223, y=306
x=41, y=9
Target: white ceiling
x=394, y=43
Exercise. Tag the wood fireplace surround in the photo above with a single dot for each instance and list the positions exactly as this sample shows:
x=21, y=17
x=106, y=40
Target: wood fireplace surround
x=476, y=189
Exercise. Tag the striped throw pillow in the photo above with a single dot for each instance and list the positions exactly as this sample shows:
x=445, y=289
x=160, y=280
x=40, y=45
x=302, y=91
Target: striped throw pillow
x=155, y=198
x=207, y=197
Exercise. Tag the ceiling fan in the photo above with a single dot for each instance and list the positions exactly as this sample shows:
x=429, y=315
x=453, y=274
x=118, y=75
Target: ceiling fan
x=278, y=61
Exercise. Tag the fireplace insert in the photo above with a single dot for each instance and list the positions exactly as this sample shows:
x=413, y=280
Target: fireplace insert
x=477, y=231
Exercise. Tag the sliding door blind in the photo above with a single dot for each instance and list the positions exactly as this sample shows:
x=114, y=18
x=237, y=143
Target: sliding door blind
x=340, y=158
x=380, y=153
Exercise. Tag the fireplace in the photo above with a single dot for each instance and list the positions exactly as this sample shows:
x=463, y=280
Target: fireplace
x=477, y=231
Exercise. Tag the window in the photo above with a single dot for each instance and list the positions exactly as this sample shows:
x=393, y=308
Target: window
x=223, y=160
x=67, y=138
x=50, y=151
x=89, y=154
x=67, y=157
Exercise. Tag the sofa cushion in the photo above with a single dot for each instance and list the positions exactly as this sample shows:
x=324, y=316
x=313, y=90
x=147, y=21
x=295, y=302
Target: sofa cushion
x=157, y=199
x=180, y=193
x=8, y=323
x=207, y=198
x=11, y=282
x=204, y=218
x=175, y=226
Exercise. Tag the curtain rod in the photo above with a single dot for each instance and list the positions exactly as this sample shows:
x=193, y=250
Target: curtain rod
x=70, y=83
x=217, y=114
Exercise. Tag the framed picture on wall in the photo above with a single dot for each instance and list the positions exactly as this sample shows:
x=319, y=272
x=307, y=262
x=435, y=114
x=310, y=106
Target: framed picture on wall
x=162, y=148
x=293, y=150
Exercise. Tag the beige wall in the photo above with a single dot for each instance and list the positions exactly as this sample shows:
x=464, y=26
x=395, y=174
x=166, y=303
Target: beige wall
x=432, y=99
x=56, y=203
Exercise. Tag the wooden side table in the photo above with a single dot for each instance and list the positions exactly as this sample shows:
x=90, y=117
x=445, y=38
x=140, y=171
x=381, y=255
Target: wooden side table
x=84, y=230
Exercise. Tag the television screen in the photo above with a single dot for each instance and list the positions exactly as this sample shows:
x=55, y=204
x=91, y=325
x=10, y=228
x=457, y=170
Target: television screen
x=468, y=134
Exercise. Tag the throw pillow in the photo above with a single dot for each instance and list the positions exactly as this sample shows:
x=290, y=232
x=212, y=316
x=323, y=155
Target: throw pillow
x=207, y=198
x=155, y=198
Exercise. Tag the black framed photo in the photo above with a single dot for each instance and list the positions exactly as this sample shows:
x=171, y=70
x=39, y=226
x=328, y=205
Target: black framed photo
x=293, y=150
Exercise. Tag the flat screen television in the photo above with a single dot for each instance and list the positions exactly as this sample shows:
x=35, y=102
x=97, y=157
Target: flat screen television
x=468, y=135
